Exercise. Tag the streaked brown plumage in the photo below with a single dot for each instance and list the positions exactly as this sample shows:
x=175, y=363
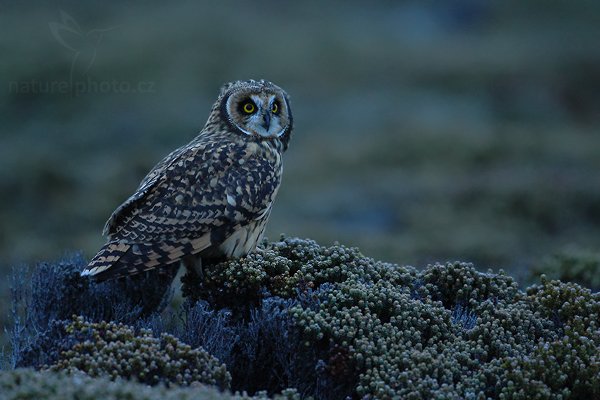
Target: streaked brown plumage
x=210, y=198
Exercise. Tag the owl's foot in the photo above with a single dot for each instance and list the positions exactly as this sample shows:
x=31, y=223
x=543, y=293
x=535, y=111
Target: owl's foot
x=260, y=250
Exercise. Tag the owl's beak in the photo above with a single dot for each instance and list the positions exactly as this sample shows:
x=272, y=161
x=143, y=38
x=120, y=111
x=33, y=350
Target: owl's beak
x=267, y=120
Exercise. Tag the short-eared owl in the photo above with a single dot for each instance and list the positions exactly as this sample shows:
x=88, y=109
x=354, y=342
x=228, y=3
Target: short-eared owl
x=210, y=198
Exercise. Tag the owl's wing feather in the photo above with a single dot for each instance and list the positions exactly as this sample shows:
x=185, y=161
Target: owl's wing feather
x=129, y=205
x=118, y=259
x=192, y=200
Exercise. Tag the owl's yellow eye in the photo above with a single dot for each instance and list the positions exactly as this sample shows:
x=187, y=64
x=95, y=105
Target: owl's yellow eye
x=249, y=107
x=275, y=108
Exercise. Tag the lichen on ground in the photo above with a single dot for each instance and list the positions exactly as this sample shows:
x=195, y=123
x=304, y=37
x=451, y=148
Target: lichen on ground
x=331, y=323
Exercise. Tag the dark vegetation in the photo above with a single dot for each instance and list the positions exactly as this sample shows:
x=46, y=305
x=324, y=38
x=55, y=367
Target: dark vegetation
x=301, y=320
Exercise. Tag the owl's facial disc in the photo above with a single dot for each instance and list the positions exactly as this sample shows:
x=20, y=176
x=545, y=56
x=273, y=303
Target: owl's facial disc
x=258, y=113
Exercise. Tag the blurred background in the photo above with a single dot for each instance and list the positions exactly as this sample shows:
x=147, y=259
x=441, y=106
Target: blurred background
x=425, y=131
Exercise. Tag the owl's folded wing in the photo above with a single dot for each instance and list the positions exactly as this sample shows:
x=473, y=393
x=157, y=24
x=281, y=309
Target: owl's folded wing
x=192, y=200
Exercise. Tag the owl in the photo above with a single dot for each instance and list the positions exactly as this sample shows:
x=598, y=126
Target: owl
x=209, y=199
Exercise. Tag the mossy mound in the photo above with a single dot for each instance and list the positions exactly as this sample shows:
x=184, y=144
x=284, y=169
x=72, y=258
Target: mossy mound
x=117, y=351
x=332, y=323
x=23, y=384
x=449, y=330
x=566, y=364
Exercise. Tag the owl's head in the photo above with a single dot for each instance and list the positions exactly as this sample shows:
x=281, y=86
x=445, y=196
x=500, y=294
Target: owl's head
x=258, y=109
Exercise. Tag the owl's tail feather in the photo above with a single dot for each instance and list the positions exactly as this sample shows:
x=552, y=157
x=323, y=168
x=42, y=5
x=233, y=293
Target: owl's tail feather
x=108, y=257
x=118, y=259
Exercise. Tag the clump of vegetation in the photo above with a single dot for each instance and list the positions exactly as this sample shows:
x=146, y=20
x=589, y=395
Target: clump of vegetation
x=567, y=363
x=573, y=265
x=115, y=350
x=56, y=291
x=30, y=384
x=261, y=347
x=384, y=330
x=331, y=323
x=286, y=269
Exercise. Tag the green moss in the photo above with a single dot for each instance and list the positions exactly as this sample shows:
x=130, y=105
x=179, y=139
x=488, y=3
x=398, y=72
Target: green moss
x=461, y=283
x=284, y=269
x=117, y=351
x=24, y=384
x=27, y=384
x=567, y=365
x=332, y=324
x=448, y=331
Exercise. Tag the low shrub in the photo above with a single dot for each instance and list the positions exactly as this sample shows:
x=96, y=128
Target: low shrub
x=116, y=350
x=331, y=323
